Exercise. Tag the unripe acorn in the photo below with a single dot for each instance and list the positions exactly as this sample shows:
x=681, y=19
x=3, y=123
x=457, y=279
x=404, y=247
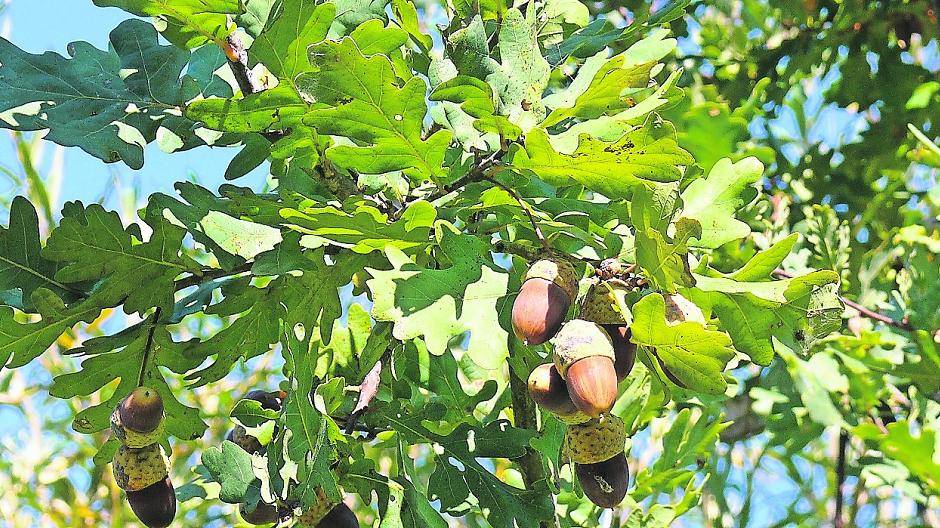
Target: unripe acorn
x=605, y=483
x=624, y=350
x=547, y=292
x=584, y=356
x=340, y=516
x=262, y=513
x=240, y=437
x=549, y=390
x=154, y=505
x=142, y=410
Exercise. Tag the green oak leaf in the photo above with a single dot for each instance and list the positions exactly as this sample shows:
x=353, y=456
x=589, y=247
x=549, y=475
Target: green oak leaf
x=695, y=355
x=663, y=258
x=505, y=506
x=268, y=110
x=754, y=309
x=22, y=266
x=441, y=304
x=475, y=99
x=915, y=452
x=189, y=23
x=291, y=29
x=519, y=80
x=92, y=244
x=359, y=226
x=230, y=466
x=359, y=97
x=22, y=342
x=612, y=169
x=715, y=199
x=109, y=103
x=138, y=350
x=353, y=13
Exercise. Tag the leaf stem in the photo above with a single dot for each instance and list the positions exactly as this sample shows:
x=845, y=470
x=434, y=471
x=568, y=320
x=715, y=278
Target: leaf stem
x=148, y=346
x=526, y=208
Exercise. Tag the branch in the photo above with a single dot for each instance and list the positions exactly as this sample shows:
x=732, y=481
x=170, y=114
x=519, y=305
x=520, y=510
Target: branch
x=903, y=324
x=838, y=521
x=238, y=62
x=367, y=391
x=148, y=347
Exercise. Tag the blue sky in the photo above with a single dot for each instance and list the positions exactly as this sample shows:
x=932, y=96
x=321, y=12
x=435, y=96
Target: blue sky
x=38, y=26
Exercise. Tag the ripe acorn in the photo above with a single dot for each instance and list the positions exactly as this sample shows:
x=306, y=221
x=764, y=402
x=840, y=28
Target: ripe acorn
x=142, y=410
x=154, y=505
x=262, y=513
x=584, y=356
x=605, y=483
x=624, y=350
x=547, y=292
x=549, y=390
x=341, y=516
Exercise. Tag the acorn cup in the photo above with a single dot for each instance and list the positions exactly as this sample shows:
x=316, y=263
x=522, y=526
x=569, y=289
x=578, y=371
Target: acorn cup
x=584, y=356
x=596, y=449
x=548, y=290
x=154, y=505
x=311, y=517
x=138, y=420
x=549, y=390
x=136, y=469
x=606, y=304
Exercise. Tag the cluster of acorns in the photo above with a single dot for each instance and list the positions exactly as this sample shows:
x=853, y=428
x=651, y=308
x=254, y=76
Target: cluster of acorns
x=323, y=514
x=591, y=355
x=140, y=466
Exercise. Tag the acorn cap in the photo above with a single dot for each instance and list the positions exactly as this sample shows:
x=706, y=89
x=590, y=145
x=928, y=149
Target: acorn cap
x=142, y=410
x=136, y=469
x=605, y=483
x=579, y=339
x=341, y=516
x=592, y=384
x=154, y=505
x=605, y=303
x=132, y=438
x=561, y=272
x=596, y=441
x=680, y=309
x=548, y=389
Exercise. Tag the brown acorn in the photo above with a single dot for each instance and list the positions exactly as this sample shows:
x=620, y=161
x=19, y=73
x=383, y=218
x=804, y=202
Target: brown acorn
x=548, y=389
x=605, y=483
x=262, y=513
x=540, y=308
x=341, y=516
x=142, y=410
x=624, y=350
x=584, y=356
x=154, y=505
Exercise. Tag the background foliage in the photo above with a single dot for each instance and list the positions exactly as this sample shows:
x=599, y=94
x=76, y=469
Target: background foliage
x=799, y=138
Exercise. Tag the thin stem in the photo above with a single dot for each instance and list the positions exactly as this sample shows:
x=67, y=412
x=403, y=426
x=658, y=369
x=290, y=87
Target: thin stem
x=211, y=274
x=838, y=521
x=903, y=324
x=526, y=208
x=148, y=346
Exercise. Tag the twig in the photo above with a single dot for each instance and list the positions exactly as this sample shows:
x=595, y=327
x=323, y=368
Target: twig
x=524, y=417
x=148, y=346
x=903, y=324
x=526, y=208
x=838, y=521
x=211, y=274
x=238, y=62
x=367, y=391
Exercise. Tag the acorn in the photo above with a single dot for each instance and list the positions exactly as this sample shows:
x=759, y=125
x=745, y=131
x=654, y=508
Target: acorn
x=340, y=516
x=624, y=349
x=605, y=483
x=321, y=507
x=136, y=469
x=154, y=505
x=268, y=400
x=240, y=437
x=142, y=410
x=547, y=292
x=548, y=389
x=595, y=441
x=584, y=356
x=262, y=513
